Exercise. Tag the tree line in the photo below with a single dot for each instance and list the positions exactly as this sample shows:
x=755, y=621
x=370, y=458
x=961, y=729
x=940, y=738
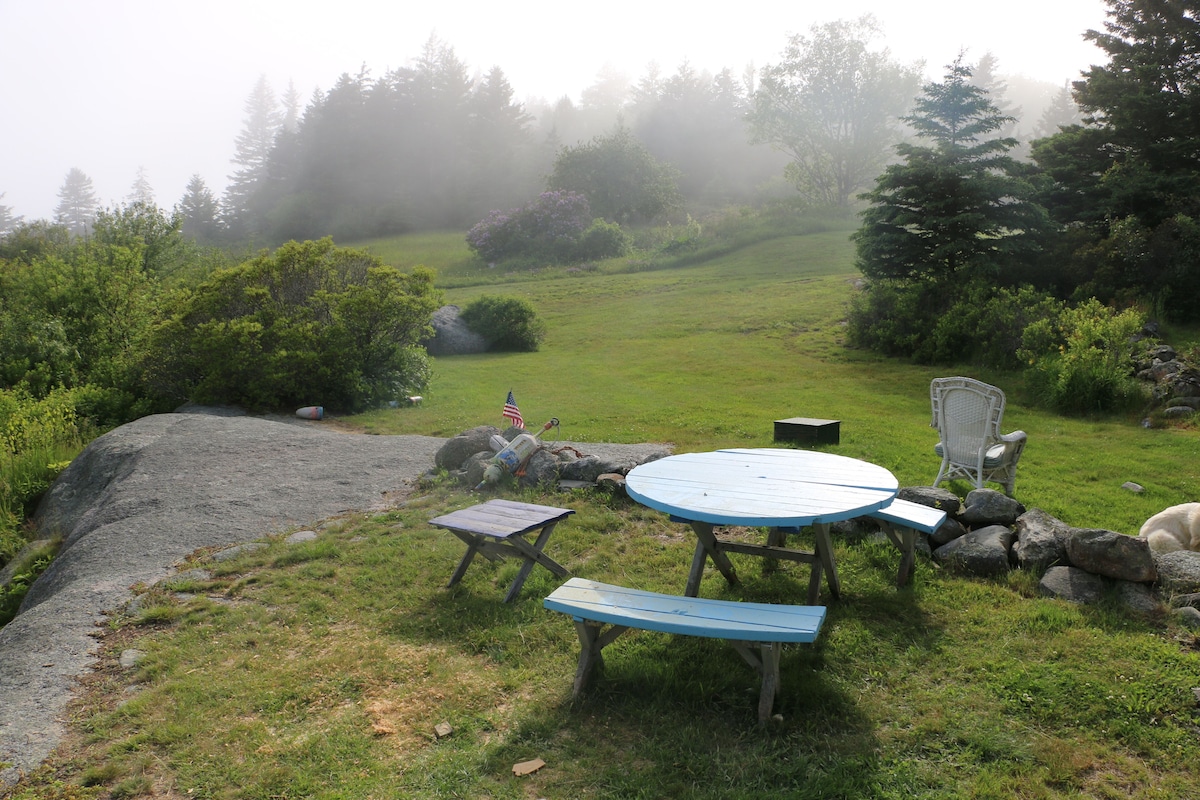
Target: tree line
x=430, y=145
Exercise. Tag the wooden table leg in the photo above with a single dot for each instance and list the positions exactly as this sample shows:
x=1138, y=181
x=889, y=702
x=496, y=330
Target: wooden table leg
x=707, y=545
x=532, y=553
x=824, y=548
x=775, y=538
x=473, y=545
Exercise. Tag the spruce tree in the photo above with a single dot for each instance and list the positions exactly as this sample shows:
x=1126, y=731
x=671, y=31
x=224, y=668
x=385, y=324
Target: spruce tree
x=199, y=210
x=956, y=205
x=77, y=203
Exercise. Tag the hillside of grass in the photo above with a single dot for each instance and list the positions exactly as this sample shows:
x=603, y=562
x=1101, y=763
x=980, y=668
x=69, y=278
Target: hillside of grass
x=321, y=669
x=709, y=355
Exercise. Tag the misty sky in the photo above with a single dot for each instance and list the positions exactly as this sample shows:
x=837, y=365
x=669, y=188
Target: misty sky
x=110, y=86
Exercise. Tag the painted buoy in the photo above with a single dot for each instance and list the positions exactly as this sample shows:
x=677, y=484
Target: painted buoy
x=310, y=412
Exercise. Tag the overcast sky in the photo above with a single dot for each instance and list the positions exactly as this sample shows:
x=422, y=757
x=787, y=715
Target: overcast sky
x=109, y=86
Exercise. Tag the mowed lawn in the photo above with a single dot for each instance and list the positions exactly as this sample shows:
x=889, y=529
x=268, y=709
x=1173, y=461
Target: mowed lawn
x=709, y=356
x=320, y=670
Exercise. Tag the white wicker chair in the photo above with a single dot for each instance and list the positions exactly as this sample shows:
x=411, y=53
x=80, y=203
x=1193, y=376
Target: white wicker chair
x=967, y=414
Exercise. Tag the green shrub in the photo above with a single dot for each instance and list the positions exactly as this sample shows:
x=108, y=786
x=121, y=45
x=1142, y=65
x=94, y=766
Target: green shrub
x=507, y=323
x=38, y=438
x=311, y=324
x=602, y=240
x=1082, y=361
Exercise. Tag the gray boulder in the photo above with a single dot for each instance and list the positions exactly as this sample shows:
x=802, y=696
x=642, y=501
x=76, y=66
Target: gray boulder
x=541, y=469
x=1072, y=584
x=1041, y=541
x=1138, y=597
x=453, y=454
x=1178, y=572
x=934, y=497
x=989, y=507
x=947, y=532
x=983, y=552
x=1111, y=554
x=451, y=336
x=471, y=472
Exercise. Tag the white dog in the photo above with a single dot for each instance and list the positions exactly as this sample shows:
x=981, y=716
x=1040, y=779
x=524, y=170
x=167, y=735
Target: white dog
x=1175, y=528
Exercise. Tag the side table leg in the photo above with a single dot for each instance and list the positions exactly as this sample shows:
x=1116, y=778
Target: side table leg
x=473, y=545
x=532, y=554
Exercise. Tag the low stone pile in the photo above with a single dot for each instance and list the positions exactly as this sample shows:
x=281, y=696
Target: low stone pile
x=465, y=457
x=1175, y=391
x=987, y=533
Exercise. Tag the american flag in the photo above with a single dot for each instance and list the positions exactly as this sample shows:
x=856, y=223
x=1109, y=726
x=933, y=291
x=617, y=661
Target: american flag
x=512, y=412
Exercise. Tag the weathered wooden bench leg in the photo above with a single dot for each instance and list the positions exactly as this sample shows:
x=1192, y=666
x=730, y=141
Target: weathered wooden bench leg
x=770, y=680
x=908, y=556
x=766, y=663
x=591, y=642
x=905, y=540
x=708, y=546
x=533, y=555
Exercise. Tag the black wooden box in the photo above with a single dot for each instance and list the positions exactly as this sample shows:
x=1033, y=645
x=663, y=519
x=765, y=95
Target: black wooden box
x=803, y=430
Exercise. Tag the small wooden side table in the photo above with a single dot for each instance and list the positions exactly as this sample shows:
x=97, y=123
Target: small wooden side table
x=497, y=529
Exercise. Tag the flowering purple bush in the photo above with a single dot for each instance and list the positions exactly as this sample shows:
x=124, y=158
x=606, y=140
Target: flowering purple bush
x=547, y=229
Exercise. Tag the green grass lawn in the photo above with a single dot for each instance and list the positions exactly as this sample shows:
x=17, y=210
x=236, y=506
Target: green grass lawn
x=320, y=670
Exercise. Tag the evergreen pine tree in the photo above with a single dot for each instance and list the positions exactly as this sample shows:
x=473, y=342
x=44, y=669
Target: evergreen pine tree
x=956, y=207
x=141, y=191
x=77, y=203
x=8, y=221
x=252, y=156
x=200, y=211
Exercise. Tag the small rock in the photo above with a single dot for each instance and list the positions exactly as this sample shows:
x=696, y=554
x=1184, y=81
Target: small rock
x=1136, y=488
x=442, y=730
x=233, y=552
x=130, y=658
x=301, y=536
x=1188, y=617
x=611, y=481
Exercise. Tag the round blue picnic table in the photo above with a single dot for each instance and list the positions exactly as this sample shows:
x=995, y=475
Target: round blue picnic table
x=777, y=488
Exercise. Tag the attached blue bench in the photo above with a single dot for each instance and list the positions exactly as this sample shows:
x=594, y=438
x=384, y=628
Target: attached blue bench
x=901, y=520
x=593, y=605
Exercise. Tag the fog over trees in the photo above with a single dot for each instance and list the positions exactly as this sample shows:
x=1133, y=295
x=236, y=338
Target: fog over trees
x=436, y=144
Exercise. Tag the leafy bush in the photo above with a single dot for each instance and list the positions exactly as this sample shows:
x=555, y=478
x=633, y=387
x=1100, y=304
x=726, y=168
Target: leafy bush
x=310, y=324
x=601, y=240
x=947, y=322
x=507, y=323
x=38, y=438
x=1081, y=361
x=548, y=229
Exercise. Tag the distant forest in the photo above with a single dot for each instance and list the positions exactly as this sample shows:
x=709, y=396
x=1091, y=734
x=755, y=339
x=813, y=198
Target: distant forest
x=437, y=145
x=427, y=146
x=433, y=145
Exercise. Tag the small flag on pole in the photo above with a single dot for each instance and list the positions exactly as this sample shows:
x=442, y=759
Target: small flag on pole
x=511, y=411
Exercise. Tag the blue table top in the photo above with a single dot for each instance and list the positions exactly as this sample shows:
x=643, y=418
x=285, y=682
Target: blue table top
x=769, y=487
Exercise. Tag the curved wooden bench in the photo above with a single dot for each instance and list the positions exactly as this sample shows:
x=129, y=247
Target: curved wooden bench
x=593, y=605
